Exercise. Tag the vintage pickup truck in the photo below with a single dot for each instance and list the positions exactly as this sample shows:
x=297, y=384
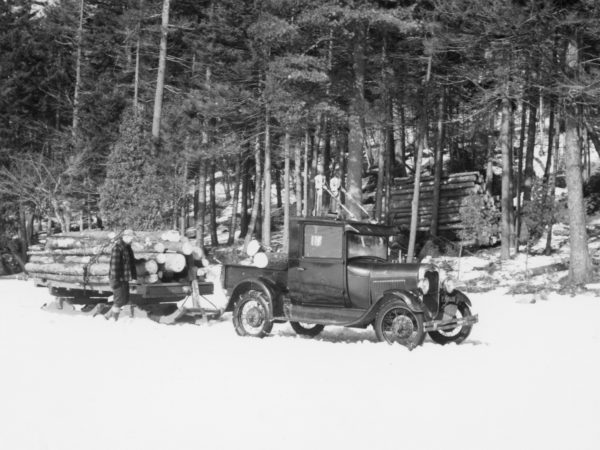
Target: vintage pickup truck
x=343, y=273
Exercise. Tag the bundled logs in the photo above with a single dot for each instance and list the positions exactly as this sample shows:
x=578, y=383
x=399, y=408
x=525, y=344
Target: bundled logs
x=83, y=259
x=261, y=257
x=453, y=190
x=268, y=260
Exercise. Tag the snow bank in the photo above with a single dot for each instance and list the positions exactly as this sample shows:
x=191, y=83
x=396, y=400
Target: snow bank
x=526, y=379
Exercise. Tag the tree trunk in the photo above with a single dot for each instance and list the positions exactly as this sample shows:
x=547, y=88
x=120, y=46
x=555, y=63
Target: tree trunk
x=388, y=188
x=389, y=131
x=327, y=148
x=306, y=189
x=184, y=207
x=552, y=183
x=385, y=153
x=531, y=134
x=244, y=219
x=136, y=82
x=489, y=174
x=226, y=179
x=75, y=125
x=162, y=65
x=507, y=204
x=520, y=161
x=213, y=206
x=278, y=187
x=550, y=143
x=234, y=205
x=438, y=165
x=196, y=200
x=23, y=235
x=421, y=143
x=380, y=177
x=580, y=269
x=201, y=214
x=343, y=158
x=355, y=120
x=266, y=228
x=402, y=129
x=314, y=146
x=286, y=182
x=257, y=191
x=513, y=235
x=298, y=178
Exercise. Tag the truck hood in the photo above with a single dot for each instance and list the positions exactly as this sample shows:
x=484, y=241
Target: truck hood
x=383, y=270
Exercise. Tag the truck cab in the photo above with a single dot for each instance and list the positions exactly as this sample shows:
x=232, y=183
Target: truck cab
x=348, y=274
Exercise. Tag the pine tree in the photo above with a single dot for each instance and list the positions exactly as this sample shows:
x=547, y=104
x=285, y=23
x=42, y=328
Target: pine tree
x=133, y=194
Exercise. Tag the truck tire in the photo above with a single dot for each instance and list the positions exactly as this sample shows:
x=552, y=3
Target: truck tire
x=396, y=323
x=456, y=335
x=251, y=315
x=308, y=330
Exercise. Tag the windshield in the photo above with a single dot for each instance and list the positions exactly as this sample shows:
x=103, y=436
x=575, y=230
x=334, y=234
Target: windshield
x=367, y=245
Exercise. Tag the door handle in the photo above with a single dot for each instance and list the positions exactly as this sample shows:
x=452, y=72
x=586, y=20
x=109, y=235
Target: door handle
x=301, y=269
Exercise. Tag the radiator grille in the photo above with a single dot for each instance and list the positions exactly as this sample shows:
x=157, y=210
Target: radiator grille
x=432, y=298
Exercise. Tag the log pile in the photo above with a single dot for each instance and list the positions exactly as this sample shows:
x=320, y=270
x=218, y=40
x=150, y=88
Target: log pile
x=259, y=256
x=83, y=259
x=454, y=189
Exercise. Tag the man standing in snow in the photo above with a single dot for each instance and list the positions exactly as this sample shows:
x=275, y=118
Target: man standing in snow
x=121, y=272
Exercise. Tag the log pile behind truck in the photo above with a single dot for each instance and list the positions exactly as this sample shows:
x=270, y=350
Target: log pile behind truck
x=82, y=259
x=454, y=189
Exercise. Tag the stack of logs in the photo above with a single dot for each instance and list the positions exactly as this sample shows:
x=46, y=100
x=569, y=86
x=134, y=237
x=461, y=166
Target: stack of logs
x=454, y=189
x=83, y=259
x=262, y=257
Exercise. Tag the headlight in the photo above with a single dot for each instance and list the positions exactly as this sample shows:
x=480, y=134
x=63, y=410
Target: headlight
x=449, y=285
x=424, y=285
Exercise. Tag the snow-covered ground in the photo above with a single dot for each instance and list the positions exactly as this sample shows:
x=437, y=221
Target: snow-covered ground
x=527, y=378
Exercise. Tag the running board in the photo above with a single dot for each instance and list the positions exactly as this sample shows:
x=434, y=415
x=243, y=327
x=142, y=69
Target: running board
x=323, y=316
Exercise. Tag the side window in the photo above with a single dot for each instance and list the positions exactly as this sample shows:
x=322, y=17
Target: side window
x=322, y=241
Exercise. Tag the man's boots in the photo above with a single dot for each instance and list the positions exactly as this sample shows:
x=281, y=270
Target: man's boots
x=113, y=313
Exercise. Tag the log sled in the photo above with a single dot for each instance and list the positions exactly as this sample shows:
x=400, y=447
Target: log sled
x=170, y=284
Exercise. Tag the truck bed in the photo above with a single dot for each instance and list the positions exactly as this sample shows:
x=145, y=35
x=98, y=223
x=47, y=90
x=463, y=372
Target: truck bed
x=235, y=273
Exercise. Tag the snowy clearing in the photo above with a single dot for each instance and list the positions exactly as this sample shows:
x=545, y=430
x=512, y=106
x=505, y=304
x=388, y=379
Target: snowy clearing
x=527, y=378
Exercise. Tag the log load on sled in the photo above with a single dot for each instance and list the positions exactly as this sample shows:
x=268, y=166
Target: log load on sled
x=75, y=266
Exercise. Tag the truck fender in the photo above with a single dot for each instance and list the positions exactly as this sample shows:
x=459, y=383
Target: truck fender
x=407, y=297
x=458, y=297
x=259, y=284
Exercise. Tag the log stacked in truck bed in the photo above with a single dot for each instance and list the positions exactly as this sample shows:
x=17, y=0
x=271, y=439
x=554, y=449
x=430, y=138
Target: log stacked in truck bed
x=453, y=190
x=82, y=259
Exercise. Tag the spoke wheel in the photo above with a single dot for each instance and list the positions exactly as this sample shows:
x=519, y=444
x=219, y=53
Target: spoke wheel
x=307, y=329
x=396, y=323
x=458, y=334
x=251, y=315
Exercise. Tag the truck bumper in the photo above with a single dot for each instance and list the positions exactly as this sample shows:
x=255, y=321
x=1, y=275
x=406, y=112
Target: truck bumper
x=435, y=325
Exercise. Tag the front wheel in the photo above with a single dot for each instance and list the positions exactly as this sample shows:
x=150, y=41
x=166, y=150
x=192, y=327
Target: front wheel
x=251, y=315
x=458, y=334
x=306, y=329
x=396, y=323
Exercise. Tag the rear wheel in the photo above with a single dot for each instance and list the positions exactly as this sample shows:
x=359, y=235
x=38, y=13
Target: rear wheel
x=251, y=315
x=458, y=334
x=396, y=323
x=307, y=329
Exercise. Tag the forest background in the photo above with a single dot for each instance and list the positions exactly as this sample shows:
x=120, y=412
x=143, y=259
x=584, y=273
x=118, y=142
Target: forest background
x=130, y=108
